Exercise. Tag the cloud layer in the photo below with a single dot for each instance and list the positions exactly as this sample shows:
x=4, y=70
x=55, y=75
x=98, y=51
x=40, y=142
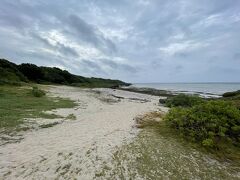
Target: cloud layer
x=136, y=41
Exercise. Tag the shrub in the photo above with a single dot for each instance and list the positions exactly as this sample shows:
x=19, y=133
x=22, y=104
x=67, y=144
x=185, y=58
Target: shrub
x=10, y=72
x=31, y=71
x=231, y=94
x=162, y=101
x=208, y=143
x=183, y=100
x=207, y=123
x=38, y=92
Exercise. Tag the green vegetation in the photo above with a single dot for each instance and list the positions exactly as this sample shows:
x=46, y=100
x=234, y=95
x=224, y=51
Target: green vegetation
x=209, y=123
x=159, y=152
x=11, y=73
x=213, y=124
x=231, y=94
x=233, y=97
x=183, y=100
x=37, y=92
x=17, y=103
x=71, y=117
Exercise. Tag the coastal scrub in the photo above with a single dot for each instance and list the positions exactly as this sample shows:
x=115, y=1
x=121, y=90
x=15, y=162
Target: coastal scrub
x=212, y=123
x=182, y=100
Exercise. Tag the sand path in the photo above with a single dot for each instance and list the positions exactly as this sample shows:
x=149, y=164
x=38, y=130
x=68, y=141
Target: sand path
x=80, y=148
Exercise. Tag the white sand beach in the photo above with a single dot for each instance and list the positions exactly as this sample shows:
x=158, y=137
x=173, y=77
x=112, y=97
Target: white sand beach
x=77, y=148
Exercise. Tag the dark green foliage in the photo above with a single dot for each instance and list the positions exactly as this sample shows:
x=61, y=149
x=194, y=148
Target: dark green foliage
x=183, y=100
x=99, y=82
x=11, y=73
x=209, y=123
x=233, y=97
x=31, y=71
x=58, y=76
x=231, y=94
x=162, y=101
x=38, y=92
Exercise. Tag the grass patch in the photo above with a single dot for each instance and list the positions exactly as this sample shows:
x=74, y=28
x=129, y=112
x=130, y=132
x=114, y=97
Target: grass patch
x=158, y=152
x=48, y=125
x=17, y=103
x=161, y=152
x=49, y=116
x=71, y=117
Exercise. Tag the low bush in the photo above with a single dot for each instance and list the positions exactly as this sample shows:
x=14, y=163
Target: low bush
x=183, y=100
x=208, y=123
x=231, y=94
x=38, y=92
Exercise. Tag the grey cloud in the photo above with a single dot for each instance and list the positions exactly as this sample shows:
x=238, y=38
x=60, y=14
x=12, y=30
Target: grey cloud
x=84, y=30
x=97, y=69
x=179, y=68
x=156, y=64
x=94, y=68
x=146, y=27
x=118, y=66
x=236, y=56
x=67, y=50
x=61, y=48
x=89, y=33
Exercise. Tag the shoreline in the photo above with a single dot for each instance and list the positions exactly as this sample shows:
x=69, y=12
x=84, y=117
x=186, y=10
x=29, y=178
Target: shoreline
x=167, y=93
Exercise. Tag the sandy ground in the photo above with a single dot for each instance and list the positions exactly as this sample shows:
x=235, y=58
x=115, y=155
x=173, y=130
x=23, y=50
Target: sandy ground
x=77, y=149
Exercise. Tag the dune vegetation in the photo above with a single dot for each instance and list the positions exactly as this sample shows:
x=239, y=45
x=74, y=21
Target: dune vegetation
x=213, y=124
x=21, y=102
x=182, y=100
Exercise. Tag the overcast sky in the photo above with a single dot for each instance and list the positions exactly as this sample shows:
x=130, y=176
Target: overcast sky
x=131, y=40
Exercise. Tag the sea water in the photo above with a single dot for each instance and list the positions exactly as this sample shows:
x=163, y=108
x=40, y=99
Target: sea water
x=193, y=88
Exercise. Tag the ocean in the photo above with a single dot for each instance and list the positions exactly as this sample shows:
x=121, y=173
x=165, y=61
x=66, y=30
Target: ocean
x=214, y=89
